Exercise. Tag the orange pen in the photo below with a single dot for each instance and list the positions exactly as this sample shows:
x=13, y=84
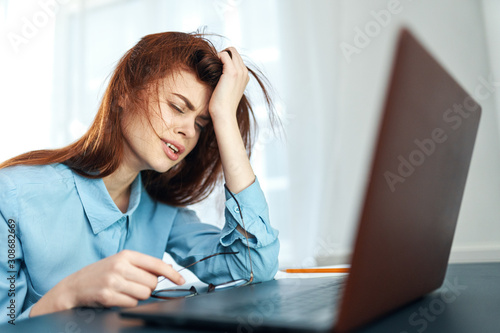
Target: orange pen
x=317, y=270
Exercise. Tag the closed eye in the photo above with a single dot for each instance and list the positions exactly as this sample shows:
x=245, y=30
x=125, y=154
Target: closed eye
x=202, y=123
x=200, y=126
x=177, y=108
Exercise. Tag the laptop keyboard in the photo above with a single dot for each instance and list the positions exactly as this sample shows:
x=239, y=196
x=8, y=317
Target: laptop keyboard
x=307, y=302
x=316, y=299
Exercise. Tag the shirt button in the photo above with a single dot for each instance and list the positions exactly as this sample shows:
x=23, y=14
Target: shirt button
x=237, y=210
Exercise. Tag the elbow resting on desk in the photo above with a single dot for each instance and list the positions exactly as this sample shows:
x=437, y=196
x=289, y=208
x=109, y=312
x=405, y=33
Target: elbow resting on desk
x=265, y=262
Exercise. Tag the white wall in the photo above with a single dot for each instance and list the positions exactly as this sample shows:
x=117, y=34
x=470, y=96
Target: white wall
x=454, y=32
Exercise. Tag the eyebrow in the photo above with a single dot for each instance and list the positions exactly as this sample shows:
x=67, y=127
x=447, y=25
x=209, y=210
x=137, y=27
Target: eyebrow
x=190, y=105
x=186, y=101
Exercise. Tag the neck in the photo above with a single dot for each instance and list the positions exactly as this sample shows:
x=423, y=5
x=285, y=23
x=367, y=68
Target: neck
x=118, y=185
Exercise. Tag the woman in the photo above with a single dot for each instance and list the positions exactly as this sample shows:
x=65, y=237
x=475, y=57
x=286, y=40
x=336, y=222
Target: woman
x=87, y=224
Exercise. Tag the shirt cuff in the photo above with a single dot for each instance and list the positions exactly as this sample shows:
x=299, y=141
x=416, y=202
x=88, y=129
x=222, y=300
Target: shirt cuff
x=255, y=214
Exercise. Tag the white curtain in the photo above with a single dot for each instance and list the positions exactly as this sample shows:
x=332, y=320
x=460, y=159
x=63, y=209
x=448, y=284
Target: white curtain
x=491, y=13
x=329, y=101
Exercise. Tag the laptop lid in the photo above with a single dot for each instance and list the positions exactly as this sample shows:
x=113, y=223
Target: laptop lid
x=415, y=188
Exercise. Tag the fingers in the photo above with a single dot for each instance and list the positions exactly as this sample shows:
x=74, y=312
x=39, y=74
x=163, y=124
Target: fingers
x=152, y=265
x=109, y=298
x=231, y=57
x=119, y=280
x=229, y=52
x=136, y=290
x=141, y=276
x=227, y=61
x=235, y=56
x=230, y=88
x=234, y=76
x=123, y=300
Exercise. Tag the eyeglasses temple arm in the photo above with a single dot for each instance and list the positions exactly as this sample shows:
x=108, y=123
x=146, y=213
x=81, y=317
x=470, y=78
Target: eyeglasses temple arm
x=203, y=259
x=245, y=231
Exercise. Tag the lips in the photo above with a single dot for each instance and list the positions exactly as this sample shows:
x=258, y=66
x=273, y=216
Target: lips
x=172, y=149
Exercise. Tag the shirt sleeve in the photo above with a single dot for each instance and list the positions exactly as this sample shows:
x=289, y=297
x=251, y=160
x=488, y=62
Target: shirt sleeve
x=13, y=287
x=190, y=240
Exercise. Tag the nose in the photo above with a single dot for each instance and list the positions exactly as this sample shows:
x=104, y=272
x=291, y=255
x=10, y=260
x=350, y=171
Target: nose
x=186, y=127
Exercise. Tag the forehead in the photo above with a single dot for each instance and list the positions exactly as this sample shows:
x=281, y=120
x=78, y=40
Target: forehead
x=185, y=83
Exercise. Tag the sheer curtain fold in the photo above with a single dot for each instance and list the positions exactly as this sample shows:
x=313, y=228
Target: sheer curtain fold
x=491, y=12
x=309, y=48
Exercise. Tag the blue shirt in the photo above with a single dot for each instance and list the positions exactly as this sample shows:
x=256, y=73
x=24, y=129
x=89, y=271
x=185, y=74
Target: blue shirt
x=54, y=222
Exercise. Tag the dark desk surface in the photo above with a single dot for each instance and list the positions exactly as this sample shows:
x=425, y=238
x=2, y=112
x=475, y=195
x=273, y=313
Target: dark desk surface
x=468, y=301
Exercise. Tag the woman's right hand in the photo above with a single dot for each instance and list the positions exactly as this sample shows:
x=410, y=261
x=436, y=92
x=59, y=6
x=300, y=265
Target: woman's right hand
x=119, y=280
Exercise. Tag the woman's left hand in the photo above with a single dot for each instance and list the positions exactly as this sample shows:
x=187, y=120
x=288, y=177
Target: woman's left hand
x=231, y=86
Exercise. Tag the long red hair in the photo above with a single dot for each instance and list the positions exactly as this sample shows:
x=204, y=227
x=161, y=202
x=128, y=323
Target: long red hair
x=99, y=151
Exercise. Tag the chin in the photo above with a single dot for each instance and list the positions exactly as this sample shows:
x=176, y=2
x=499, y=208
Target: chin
x=162, y=169
x=162, y=166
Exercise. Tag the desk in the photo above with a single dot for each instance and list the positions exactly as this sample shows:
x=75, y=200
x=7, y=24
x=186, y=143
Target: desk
x=468, y=301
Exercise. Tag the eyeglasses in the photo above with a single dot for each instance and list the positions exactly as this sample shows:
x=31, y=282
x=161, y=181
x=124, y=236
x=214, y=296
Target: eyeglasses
x=182, y=293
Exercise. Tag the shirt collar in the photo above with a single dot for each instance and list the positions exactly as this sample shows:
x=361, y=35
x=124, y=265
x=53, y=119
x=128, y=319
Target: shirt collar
x=100, y=209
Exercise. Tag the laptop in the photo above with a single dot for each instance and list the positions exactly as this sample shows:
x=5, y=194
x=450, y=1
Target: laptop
x=406, y=226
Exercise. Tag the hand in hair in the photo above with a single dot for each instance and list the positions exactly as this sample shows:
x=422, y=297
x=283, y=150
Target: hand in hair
x=231, y=86
x=223, y=106
x=119, y=280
